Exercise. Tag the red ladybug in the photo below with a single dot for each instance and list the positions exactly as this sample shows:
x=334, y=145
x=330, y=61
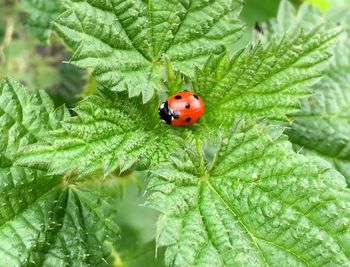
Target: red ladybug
x=181, y=109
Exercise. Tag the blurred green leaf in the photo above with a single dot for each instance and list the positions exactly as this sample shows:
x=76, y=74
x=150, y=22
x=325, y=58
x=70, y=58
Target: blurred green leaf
x=39, y=15
x=137, y=247
x=133, y=252
x=256, y=11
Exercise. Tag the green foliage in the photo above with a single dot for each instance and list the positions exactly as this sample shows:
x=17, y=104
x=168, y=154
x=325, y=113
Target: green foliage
x=256, y=12
x=290, y=20
x=25, y=118
x=135, y=253
x=43, y=219
x=137, y=246
x=322, y=127
x=326, y=4
x=70, y=86
x=39, y=16
x=264, y=81
x=126, y=42
x=112, y=132
x=256, y=204
x=106, y=134
x=230, y=189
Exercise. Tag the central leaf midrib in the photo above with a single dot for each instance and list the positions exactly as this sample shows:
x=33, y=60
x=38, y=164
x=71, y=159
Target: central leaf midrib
x=252, y=237
x=178, y=28
x=126, y=33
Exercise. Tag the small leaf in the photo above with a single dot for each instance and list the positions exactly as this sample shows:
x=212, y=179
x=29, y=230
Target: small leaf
x=257, y=204
x=125, y=41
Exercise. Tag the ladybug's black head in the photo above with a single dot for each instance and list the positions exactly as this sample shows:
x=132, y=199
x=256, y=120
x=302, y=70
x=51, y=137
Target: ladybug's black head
x=165, y=113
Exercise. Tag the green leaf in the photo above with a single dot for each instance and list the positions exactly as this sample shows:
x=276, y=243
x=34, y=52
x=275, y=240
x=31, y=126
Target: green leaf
x=135, y=246
x=254, y=12
x=44, y=220
x=138, y=220
x=266, y=81
x=39, y=15
x=126, y=42
x=70, y=87
x=322, y=127
x=24, y=118
x=322, y=4
x=111, y=133
x=290, y=20
x=44, y=224
x=108, y=133
x=257, y=203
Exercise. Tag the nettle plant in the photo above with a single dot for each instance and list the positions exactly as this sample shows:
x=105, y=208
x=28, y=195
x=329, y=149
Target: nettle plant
x=261, y=180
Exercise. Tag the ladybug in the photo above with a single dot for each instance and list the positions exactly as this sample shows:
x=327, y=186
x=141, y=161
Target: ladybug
x=181, y=109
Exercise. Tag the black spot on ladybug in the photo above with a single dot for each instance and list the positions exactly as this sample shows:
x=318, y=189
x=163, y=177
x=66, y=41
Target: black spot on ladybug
x=196, y=97
x=187, y=105
x=175, y=114
x=188, y=119
x=178, y=97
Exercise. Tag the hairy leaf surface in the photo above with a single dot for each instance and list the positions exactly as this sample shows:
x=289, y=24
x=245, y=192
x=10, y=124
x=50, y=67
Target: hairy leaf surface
x=106, y=134
x=111, y=132
x=257, y=204
x=24, y=118
x=44, y=220
x=126, y=42
x=266, y=81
